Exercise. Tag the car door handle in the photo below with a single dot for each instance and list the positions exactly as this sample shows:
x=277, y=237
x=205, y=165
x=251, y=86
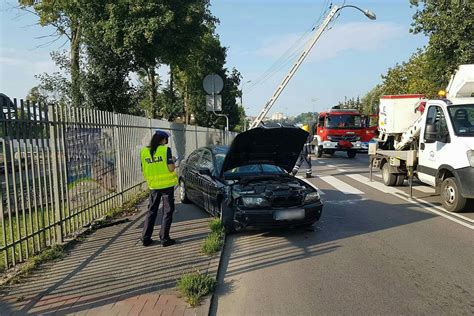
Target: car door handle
x=422, y=146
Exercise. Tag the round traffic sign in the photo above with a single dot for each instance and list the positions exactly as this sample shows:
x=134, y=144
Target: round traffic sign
x=213, y=84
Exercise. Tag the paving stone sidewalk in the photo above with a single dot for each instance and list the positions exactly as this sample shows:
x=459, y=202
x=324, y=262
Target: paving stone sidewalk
x=111, y=273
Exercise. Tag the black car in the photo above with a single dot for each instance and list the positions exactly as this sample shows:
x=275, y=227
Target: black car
x=248, y=185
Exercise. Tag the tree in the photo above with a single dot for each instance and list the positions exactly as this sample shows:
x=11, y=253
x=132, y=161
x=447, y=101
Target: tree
x=370, y=101
x=412, y=77
x=154, y=32
x=65, y=16
x=449, y=25
x=304, y=118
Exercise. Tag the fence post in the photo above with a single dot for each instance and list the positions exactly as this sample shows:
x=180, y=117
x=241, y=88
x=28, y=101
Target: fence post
x=55, y=172
x=118, y=158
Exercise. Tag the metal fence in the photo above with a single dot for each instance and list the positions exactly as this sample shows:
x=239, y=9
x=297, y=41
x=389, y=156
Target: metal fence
x=62, y=167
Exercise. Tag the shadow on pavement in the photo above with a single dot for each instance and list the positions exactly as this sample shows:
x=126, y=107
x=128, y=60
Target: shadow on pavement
x=111, y=265
x=250, y=251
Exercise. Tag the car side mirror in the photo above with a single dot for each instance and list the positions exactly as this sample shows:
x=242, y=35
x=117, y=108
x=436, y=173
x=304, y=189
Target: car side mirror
x=431, y=134
x=205, y=172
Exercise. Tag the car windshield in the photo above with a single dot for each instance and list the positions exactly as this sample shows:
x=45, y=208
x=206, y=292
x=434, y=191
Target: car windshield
x=256, y=169
x=219, y=160
x=344, y=121
x=462, y=118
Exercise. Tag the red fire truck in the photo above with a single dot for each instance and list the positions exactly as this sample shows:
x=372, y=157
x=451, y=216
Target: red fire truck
x=339, y=130
x=371, y=124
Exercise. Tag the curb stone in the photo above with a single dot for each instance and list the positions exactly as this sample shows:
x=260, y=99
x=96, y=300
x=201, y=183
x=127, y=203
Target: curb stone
x=214, y=262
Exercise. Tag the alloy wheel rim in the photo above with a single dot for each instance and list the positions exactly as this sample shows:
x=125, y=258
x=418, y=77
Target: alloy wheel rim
x=449, y=194
x=182, y=191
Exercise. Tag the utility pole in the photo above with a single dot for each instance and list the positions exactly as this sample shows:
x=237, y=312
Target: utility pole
x=301, y=58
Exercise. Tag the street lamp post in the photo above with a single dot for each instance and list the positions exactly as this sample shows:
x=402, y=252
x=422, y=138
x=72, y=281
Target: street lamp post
x=304, y=53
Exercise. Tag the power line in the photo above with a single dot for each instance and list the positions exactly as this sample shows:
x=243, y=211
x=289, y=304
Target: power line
x=288, y=56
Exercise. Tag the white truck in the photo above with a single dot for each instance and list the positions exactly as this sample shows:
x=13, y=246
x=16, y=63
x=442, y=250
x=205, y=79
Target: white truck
x=430, y=139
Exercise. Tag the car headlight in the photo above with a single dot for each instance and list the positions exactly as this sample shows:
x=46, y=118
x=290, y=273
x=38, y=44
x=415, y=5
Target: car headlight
x=470, y=157
x=250, y=201
x=312, y=197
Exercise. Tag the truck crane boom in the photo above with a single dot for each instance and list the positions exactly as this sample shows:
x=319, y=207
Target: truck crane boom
x=294, y=68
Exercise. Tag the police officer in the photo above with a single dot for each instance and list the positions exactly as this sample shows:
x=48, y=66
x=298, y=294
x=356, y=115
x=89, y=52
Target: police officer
x=159, y=172
x=305, y=156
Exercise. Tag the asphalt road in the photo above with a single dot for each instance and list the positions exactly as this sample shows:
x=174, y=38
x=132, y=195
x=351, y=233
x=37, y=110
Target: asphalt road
x=374, y=251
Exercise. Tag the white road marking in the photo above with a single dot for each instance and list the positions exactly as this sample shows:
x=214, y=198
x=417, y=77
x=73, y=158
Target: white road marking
x=424, y=189
x=341, y=170
x=345, y=202
x=427, y=205
x=374, y=184
x=311, y=184
x=340, y=185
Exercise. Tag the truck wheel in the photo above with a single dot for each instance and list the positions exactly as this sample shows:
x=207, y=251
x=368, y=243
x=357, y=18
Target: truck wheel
x=389, y=179
x=351, y=153
x=319, y=153
x=400, y=180
x=453, y=201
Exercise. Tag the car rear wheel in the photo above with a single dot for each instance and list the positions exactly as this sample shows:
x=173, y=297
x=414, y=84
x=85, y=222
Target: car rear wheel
x=389, y=179
x=183, y=194
x=453, y=201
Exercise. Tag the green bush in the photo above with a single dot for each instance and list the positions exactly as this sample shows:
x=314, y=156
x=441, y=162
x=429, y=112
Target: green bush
x=194, y=286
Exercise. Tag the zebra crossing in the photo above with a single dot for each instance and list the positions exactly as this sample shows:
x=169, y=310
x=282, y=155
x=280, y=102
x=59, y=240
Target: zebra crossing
x=356, y=182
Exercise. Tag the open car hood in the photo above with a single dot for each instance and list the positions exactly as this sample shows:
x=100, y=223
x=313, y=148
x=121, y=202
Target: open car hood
x=278, y=146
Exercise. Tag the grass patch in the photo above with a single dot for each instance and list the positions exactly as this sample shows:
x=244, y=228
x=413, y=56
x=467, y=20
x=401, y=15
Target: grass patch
x=216, y=226
x=214, y=241
x=53, y=253
x=128, y=207
x=194, y=286
x=212, y=244
x=19, y=221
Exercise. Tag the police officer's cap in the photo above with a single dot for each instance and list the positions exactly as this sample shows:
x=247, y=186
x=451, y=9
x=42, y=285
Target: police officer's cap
x=162, y=133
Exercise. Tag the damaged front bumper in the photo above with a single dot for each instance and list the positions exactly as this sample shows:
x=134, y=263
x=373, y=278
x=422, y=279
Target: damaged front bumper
x=269, y=218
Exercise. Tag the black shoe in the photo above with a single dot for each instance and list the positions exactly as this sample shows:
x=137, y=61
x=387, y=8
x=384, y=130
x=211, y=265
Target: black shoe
x=147, y=242
x=168, y=242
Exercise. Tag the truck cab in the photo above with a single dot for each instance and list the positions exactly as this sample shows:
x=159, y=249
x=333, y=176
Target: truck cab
x=446, y=150
x=431, y=139
x=338, y=130
x=371, y=125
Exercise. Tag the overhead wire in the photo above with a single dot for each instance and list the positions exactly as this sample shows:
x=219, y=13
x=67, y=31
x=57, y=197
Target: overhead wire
x=291, y=53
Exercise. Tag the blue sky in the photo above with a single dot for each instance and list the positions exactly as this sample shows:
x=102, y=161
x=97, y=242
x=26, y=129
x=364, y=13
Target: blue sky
x=346, y=62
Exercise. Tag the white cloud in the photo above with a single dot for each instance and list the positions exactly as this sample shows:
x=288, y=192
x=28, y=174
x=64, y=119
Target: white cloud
x=32, y=66
x=358, y=36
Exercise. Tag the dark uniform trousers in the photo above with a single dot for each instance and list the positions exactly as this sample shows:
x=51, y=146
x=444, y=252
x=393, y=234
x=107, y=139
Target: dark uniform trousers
x=168, y=210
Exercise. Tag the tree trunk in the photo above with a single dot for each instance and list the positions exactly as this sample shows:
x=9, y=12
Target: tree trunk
x=151, y=79
x=186, y=105
x=75, y=69
x=171, y=88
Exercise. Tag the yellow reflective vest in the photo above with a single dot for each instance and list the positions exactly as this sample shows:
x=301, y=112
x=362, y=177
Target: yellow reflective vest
x=155, y=169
